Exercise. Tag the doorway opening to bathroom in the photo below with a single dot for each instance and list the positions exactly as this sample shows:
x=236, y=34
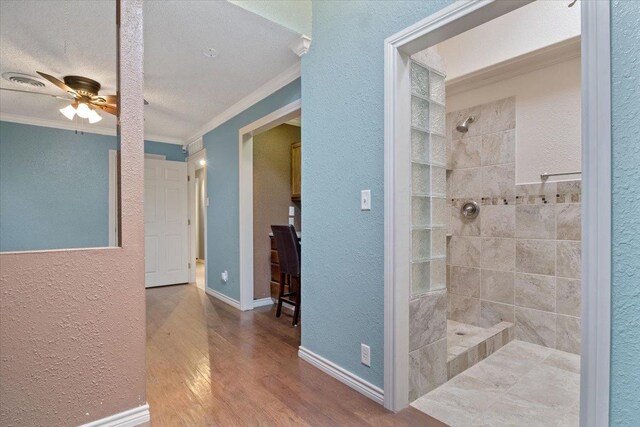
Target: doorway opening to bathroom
x=496, y=127
x=198, y=204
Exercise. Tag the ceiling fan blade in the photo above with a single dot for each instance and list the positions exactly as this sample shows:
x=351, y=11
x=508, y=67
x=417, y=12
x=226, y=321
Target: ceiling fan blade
x=62, y=85
x=105, y=99
x=107, y=108
x=38, y=93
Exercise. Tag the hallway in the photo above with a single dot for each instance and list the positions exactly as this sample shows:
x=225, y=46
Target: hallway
x=209, y=364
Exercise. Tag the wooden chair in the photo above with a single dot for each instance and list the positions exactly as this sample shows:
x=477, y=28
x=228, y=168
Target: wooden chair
x=288, y=247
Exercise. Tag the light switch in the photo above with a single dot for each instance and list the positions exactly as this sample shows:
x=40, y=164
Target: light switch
x=291, y=221
x=292, y=210
x=365, y=200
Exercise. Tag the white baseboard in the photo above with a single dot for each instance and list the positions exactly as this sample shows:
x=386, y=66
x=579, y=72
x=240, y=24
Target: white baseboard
x=355, y=382
x=262, y=302
x=222, y=297
x=129, y=418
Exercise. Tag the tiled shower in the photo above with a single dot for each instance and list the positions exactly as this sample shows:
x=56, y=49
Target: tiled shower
x=513, y=271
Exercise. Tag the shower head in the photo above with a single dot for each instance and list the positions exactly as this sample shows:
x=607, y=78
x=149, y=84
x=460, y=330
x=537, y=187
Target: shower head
x=464, y=126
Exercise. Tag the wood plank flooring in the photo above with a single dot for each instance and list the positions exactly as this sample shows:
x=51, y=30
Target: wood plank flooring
x=209, y=364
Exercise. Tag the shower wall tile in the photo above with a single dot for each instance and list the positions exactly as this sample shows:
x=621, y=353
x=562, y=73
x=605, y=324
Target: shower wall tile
x=498, y=254
x=497, y=181
x=569, y=225
x=462, y=226
x=465, y=183
x=498, y=116
x=539, y=191
x=465, y=281
x=427, y=319
x=497, y=286
x=569, y=259
x=465, y=153
x=568, y=334
x=568, y=299
x=536, y=221
x=536, y=256
x=498, y=220
x=535, y=326
x=498, y=148
x=464, y=309
x=465, y=251
x=427, y=368
x=458, y=117
x=535, y=291
x=492, y=313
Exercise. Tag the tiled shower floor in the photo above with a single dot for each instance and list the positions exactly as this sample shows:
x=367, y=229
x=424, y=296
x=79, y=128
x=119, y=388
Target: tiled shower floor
x=521, y=384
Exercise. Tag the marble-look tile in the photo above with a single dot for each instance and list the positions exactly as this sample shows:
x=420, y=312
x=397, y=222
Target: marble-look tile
x=536, y=221
x=462, y=226
x=494, y=374
x=562, y=360
x=569, y=225
x=498, y=181
x=537, y=327
x=514, y=411
x=433, y=366
x=536, y=256
x=497, y=286
x=498, y=116
x=535, y=291
x=415, y=390
x=457, y=365
x=569, y=254
x=546, y=189
x=492, y=313
x=568, y=296
x=498, y=220
x=542, y=392
x=465, y=281
x=498, y=253
x=457, y=117
x=555, y=377
x=498, y=148
x=465, y=251
x=571, y=418
x=571, y=187
x=464, y=309
x=526, y=351
x=442, y=411
x=465, y=153
x=465, y=183
x=467, y=393
x=568, y=334
x=427, y=319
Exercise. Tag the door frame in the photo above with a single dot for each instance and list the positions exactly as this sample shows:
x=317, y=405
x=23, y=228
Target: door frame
x=193, y=164
x=596, y=207
x=245, y=163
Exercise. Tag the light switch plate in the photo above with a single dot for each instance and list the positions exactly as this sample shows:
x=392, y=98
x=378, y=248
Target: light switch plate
x=365, y=200
x=291, y=221
x=292, y=210
x=365, y=354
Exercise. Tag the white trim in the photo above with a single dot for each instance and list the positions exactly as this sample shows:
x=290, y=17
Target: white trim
x=262, y=302
x=301, y=46
x=155, y=156
x=193, y=164
x=373, y=392
x=563, y=51
x=245, y=159
x=596, y=214
x=88, y=128
x=113, y=198
x=259, y=94
x=222, y=297
x=129, y=418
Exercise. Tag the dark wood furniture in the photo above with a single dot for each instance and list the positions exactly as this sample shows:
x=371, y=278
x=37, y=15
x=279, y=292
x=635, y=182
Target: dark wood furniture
x=288, y=248
x=296, y=166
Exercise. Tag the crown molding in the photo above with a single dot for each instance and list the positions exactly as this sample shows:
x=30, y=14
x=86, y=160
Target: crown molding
x=259, y=94
x=55, y=124
x=301, y=46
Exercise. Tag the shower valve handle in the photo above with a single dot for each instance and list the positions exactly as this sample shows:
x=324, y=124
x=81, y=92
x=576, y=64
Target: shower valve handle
x=470, y=210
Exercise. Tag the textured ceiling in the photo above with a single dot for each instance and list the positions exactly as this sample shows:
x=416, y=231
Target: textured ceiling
x=185, y=89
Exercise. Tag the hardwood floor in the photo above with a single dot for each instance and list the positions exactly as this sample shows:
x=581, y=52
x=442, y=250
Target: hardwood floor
x=209, y=364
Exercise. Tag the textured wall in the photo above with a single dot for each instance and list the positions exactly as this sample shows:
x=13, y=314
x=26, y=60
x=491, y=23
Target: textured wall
x=625, y=351
x=72, y=322
x=54, y=186
x=271, y=197
x=342, y=133
x=223, y=184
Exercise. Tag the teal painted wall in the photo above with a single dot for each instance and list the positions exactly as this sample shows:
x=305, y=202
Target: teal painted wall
x=625, y=328
x=342, y=134
x=54, y=186
x=223, y=238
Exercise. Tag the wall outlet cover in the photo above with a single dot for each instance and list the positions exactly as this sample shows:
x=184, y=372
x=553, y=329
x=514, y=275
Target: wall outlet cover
x=292, y=210
x=365, y=200
x=365, y=355
x=225, y=276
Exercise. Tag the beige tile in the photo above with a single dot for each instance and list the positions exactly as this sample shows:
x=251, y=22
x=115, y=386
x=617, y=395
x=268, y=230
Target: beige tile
x=562, y=360
x=464, y=309
x=494, y=374
x=459, y=116
x=535, y=291
x=498, y=181
x=498, y=148
x=431, y=362
x=465, y=251
x=543, y=387
x=415, y=389
x=569, y=259
x=498, y=116
x=536, y=221
x=513, y=411
x=534, y=326
x=462, y=226
x=497, y=286
x=568, y=296
x=442, y=411
x=569, y=226
x=492, y=313
x=568, y=331
x=427, y=319
x=465, y=183
x=498, y=220
x=526, y=351
x=572, y=187
x=465, y=153
x=467, y=393
x=546, y=189
x=498, y=253
x=457, y=365
x=465, y=281
x=536, y=256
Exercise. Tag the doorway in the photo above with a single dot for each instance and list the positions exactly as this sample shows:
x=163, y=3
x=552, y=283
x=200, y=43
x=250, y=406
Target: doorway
x=595, y=141
x=198, y=201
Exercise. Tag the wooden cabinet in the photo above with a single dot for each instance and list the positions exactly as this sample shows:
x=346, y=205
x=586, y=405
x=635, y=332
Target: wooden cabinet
x=275, y=270
x=296, y=165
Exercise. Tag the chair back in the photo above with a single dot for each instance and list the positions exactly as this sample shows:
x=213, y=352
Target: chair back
x=288, y=247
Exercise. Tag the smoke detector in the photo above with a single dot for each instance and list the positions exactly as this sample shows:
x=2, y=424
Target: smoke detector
x=24, y=80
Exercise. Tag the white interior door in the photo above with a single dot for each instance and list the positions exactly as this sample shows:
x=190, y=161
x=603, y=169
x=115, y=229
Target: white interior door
x=165, y=223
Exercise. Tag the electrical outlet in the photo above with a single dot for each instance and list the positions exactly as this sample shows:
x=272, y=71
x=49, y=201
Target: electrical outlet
x=365, y=200
x=365, y=354
x=225, y=276
x=292, y=210
x=291, y=221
